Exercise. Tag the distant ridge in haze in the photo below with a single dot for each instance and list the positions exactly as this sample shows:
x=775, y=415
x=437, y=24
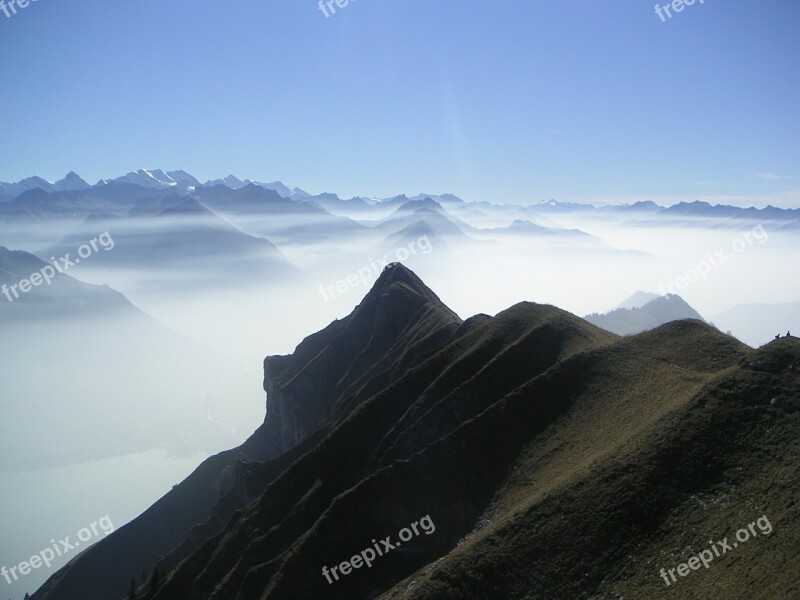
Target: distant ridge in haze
x=69, y=183
x=186, y=183
x=641, y=312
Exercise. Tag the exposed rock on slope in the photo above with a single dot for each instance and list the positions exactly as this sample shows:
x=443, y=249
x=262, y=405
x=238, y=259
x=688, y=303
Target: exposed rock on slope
x=397, y=325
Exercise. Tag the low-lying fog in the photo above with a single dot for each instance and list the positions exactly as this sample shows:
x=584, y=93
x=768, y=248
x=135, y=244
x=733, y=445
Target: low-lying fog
x=178, y=372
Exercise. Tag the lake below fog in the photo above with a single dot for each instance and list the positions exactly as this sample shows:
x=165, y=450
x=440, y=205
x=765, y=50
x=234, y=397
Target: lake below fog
x=50, y=504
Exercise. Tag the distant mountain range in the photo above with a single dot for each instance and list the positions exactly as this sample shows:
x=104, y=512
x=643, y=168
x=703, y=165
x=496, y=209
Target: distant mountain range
x=157, y=179
x=70, y=183
x=552, y=458
x=179, y=180
x=526, y=229
x=136, y=199
x=180, y=233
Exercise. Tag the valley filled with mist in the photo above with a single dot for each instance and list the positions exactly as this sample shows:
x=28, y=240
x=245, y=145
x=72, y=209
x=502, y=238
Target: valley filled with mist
x=150, y=342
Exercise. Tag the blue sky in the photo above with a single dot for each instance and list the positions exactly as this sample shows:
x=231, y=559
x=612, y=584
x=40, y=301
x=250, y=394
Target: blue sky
x=507, y=101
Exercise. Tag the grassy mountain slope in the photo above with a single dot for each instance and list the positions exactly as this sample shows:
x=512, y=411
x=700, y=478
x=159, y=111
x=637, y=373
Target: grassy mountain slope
x=555, y=459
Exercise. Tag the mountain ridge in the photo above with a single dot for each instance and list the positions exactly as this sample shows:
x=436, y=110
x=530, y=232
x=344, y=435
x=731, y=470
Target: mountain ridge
x=158, y=179
x=400, y=402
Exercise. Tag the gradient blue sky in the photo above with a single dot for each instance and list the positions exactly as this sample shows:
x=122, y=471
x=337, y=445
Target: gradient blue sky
x=507, y=101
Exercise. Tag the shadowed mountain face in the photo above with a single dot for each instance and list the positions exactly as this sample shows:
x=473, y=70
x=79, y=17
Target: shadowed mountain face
x=542, y=456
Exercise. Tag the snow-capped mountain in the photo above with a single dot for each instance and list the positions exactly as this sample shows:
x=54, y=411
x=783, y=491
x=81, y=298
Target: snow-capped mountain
x=184, y=179
x=230, y=181
x=279, y=187
x=158, y=179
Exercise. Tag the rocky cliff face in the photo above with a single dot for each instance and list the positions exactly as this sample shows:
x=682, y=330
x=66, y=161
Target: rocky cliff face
x=310, y=386
x=397, y=324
